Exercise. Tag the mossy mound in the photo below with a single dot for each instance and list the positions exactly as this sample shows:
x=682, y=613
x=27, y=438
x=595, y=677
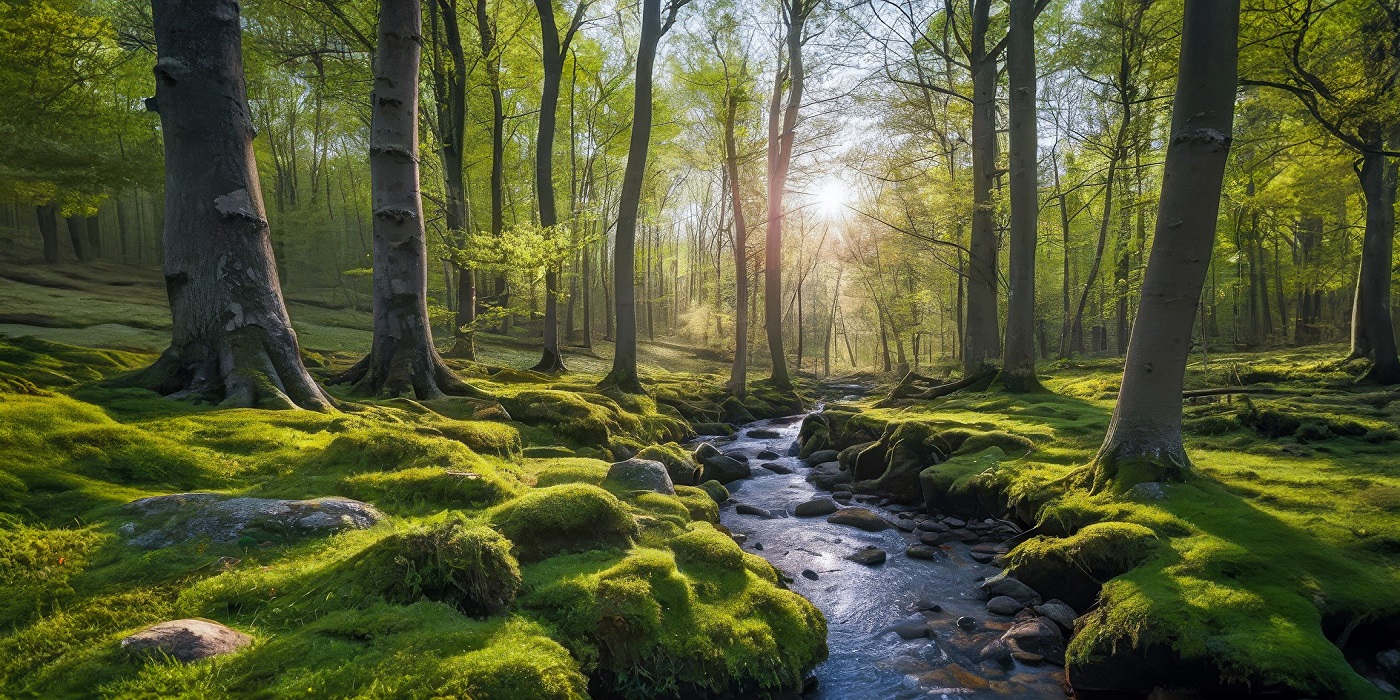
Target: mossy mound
x=680, y=463
x=467, y=567
x=1073, y=568
x=569, y=517
x=716, y=491
x=699, y=503
x=596, y=420
x=568, y=470
x=32, y=362
x=707, y=620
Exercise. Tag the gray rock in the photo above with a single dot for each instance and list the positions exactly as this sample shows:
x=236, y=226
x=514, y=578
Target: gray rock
x=1064, y=616
x=1001, y=584
x=776, y=468
x=1037, y=636
x=746, y=509
x=966, y=622
x=933, y=539
x=815, y=507
x=1383, y=686
x=904, y=525
x=763, y=434
x=705, y=451
x=870, y=556
x=809, y=574
x=859, y=517
x=841, y=495
x=921, y=551
x=639, y=475
x=1004, y=605
x=1147, y=492
x=822, y=456
x=794, y=449
x=768, y=454
x=955, y=522
x=997, y=651
x=911, y=629
x=163, y=521
x=187, y=640
x=933, y=526
x=724, y=469
x=828, y=476
x=1389, y=661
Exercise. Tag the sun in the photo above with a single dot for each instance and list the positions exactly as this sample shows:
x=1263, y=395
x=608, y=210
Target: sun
x=831, y=196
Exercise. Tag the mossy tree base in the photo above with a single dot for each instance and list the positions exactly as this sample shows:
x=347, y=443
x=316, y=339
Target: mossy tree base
x=248, y=367
x=413, y=371
x=1117, y=470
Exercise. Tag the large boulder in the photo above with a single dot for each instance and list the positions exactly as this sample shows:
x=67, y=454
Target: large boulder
x=163, y=521
x=724, y=469
x=828, y=476
x=187, y=640
x=815, y=507
x=1074, y=569
x=680, y=463
x=822, y=456
x=639, y=475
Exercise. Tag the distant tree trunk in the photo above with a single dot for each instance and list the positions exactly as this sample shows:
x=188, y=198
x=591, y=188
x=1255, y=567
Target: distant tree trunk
x=739, y=371
x=451, y=89
x=1018, y=359
x=554, y=51
x=1144, y=438
x=77, y=232
x=486, y=30
x=48, y=230
x=623, y=376
x=1372, y=332
x=402, y=360
x=781, y=134
x=982, y=340
x=94, y=234
x=232, y=341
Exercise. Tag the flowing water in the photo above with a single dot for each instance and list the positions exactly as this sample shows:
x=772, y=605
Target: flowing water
x=866, y=607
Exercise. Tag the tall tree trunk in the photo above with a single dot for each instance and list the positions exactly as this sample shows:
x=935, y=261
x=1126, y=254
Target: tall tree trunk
x=47, y=215
x=402, y=360
x=624, y=370
x=554, y=50
x=739, y=371
x=781, y=135
x=452, y=119
x=1144, y=438
x=982, y=339
x=486, y=30
x=1372, y=332
x=77, y=233
x=232, y=341
x=1018, y=359
x=94, y=234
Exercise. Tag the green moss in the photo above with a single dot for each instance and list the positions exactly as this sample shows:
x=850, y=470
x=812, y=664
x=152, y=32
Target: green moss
x=680, y=463
x=700, y=504
x=717, y=492
x=1072, y=568
x=36, y=564
x=569, y=470
x=568, y=517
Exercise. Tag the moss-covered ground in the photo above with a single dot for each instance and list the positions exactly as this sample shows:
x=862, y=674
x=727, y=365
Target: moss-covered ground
x=503, y=570
x=1282, y=546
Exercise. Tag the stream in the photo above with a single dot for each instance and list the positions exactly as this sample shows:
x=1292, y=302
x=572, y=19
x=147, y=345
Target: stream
x=893, y=629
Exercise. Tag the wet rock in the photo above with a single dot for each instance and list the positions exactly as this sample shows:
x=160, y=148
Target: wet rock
x=998, y=652
x=904, y=525
x=187, y=640
x=1004, y=605
x=809, y=574
x=828, y=476
x=639, y=475
x=933, y=526
x=841, y=495
x=1064, y=616
x=163, y=521
x=763, y=434
x=933, y=539
x=1037, y=636
x=815, y=507
x=768, y=454
x=965, y=535
x=966, y=622
x=822, y=457
x=860, y=518
x=705, y=451
x=725, y=469
x=870, y=556
x=738, y=456
x=794, y=449
x=776, y=468
x=921, y=551
x=739, y=538
x=1001, y=584
x=927, y=606
x=758, y=546
x=911, y=629
x=954, y=522
x=1383, y=686
x=746, y=509
x=986, y=552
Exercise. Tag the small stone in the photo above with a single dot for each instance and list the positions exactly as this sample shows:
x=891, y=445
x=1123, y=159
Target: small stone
x=927, y=606
x=965, y=535
x=739, y=538
x=1001, y=584
x=1064, y=616
x=904, y=525
x=997, y=651
x=1036, y=635
x=776, y=468
x=870, y=556
x=815, y=507
x=933, y=539
x=187, y=640
x=822, y=456
x=794, y=449
x=954, y=522
x=758, y=546
x=746, y=509
x=1004, y=605
x=966, y=622
x=841, y=495
x=763, y=434
x=860, y=518
x=911, y=629
x=933, y=526
x=921, y=551
x=768, y=454
x=809, y=574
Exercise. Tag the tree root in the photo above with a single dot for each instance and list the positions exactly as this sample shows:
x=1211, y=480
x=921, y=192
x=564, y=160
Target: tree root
x=908, y=387
x=410, y=372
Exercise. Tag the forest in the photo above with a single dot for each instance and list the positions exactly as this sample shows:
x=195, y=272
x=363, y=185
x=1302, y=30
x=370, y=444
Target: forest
x=831, y=349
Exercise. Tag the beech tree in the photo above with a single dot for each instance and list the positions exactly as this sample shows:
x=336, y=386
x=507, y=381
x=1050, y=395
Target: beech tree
x=1144, y=438
x=1018, y=358
x=232, y=341
x=623, y=375
x=402, y=360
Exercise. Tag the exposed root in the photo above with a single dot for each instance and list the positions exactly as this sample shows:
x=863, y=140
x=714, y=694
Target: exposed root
x=551, y=363
x=910, y=386
x=406, y=371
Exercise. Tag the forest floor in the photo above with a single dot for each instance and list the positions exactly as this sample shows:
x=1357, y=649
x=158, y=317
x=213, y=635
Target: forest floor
x=1282, y=550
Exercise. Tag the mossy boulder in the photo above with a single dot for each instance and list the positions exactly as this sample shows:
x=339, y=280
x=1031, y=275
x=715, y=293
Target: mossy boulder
x=639, y=475
x=570, y=470
x=909, y=448
x=164, y=521
x=716, y=491
x=965, y=485
x=564, y=518
x=680, y=463
x=699, y=503
x=1074, y=568
x=467, y=566
x=725, y=469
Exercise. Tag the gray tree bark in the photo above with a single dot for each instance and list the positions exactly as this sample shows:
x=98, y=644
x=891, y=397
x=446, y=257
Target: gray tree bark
x=739, y=371
x=402, y=360
x=982, y=339
x=1144, y=438
x=232, y=341
x=1372, y=332
x=1018, y=357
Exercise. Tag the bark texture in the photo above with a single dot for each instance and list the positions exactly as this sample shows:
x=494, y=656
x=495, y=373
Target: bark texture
x=1018, y=358
x=739, y=371
x=232, y=341
x=402, y=360
x=1144, y=438
x=1372, y=333
x=981, y=337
